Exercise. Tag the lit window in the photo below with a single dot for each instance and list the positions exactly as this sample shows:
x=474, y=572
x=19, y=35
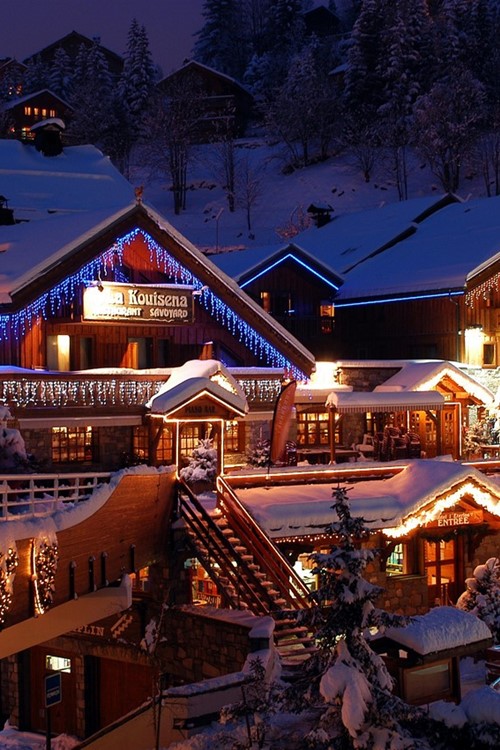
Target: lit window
x=57, y=664
x=36, y=111
x=27, y=110
x=73, y=444
x=58, y=352
x=232, y=433
x=52, y=113
x=265, y=301
x=313, y=429
x=44, y=112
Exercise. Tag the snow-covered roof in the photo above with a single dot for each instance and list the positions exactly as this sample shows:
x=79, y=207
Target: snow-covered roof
x=193, y=379
x=416, y=376
x=440, y=629
x=343, y=242
x=70, y=181
x=446, y=251
x=305, y=509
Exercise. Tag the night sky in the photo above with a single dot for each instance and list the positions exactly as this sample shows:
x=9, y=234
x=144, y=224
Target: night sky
x=27, y=26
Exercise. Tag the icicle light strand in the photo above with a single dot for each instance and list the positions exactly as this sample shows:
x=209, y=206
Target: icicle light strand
x=49, y=303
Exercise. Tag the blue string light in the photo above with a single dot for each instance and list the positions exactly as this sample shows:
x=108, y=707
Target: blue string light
x=51, y=302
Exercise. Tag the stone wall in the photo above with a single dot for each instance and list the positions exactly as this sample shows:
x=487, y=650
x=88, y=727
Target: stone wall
x=201, y=645
x=366, y=378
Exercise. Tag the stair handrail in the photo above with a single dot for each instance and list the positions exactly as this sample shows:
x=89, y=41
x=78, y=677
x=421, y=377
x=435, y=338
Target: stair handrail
x=267, y=551
x=218, y=544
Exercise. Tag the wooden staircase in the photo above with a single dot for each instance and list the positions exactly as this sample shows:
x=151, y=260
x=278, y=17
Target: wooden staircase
x=248, y=569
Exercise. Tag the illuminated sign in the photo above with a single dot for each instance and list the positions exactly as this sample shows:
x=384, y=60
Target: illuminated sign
x=167, y=304
x=457, y=518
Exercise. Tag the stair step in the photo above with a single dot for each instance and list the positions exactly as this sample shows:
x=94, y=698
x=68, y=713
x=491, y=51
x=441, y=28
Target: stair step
x=279, y=601
x=300, y=629
x=296, y=641
x=303, y=652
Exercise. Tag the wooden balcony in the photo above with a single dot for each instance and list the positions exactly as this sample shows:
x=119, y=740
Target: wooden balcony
x=93, y=542
x=26, y=392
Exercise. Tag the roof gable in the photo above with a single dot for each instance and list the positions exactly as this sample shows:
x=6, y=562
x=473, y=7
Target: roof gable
x=65, y=268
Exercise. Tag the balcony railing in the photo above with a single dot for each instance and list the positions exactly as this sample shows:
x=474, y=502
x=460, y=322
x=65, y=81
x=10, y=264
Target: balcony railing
x=24, y=392
x=29, y=495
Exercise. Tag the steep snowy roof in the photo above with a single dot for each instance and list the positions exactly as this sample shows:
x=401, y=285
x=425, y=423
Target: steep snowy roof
x=80, y=179
x=415, y=376
x=345, y=241
x=449, y=248
x=301, y=510
x=193, y=378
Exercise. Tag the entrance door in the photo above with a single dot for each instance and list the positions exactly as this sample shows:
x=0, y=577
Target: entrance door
x=63, y=714
x=441, y=562
x=450, y=431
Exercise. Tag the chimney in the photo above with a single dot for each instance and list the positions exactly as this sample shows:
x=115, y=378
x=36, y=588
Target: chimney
x=6, y=213
x=48, y=138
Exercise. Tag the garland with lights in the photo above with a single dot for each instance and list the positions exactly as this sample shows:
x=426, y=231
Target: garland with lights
x=8, y=565
x=482, y=290
x=49, y=303
x=44, y=555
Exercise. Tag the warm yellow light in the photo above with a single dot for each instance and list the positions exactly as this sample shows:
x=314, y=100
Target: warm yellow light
x=481, y=497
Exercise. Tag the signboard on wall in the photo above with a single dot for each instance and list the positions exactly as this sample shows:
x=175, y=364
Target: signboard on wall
x=170, y=304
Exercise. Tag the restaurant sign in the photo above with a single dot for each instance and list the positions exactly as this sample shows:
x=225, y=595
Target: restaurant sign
x=170, y=304
x=457, y=518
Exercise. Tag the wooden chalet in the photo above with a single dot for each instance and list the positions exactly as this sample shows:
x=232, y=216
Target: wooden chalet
x=71, y=44
x=21, y=114
x=321, y=21
x=225, y=105
x=414, y=280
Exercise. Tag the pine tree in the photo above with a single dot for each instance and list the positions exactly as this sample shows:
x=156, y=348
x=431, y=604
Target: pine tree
x=220, y=40
x=61, y=75
x=91, y=95
x=36, y=76
x=202, y=465
x=482, y=595
x=139, y=75
x=350, y=672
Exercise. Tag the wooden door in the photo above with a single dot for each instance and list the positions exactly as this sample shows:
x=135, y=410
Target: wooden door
x=444, y=570
x=63, y=714
x=450, y=431
x=123, y=687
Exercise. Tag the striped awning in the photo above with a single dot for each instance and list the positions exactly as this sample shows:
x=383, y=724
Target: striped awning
x=359, y=402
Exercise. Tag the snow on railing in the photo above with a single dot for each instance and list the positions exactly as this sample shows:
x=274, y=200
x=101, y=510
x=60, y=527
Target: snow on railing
x=42, y=494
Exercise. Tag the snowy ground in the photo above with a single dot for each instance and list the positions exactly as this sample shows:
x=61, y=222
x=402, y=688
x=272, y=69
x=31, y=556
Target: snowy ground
x=283, y=198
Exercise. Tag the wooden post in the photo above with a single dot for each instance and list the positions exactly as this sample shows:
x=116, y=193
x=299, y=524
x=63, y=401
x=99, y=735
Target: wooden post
x=331, y=426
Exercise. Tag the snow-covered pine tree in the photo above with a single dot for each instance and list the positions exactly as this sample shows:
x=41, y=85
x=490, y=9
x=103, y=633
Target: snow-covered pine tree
x=347, y=673
x=202, y=465
x=61, y=74
x=220, y=42
x=36, y=75
x=482, y=595
x=139, y=74
x=92, y=88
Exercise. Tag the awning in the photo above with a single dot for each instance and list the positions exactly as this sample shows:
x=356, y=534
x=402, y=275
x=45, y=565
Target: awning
x=359, y=402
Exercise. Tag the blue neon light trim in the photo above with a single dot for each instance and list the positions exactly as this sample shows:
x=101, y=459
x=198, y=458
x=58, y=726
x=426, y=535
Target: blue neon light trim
x=297, y=260
x=397, y=299
x=46, y=306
